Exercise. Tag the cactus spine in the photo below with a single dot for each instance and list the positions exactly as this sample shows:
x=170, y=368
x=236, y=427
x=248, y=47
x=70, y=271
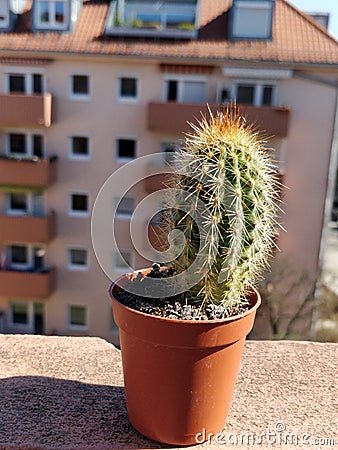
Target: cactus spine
x=225, y=164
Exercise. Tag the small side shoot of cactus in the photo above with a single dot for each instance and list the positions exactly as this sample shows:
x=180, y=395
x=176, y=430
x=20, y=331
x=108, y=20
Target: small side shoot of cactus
x=225, y=166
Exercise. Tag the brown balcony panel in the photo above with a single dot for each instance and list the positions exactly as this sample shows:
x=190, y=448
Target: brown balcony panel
x=16, y=172
x=157, y=237
x=32, y=285
x=156, y=182
x=25, y=110
x=27, y=229
x=173, y=117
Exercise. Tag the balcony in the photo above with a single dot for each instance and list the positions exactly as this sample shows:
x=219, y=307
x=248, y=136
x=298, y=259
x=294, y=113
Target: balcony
x=37, y=172
x=25, y=284
x=67, y=392
x=157, y=177
x=19, y=110
x=141, y=18
x=170, y=117
x=26, y=229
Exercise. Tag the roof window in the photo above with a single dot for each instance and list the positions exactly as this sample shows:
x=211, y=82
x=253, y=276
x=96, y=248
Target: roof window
x=251, y=19
x=167, y=18
x=55, y=15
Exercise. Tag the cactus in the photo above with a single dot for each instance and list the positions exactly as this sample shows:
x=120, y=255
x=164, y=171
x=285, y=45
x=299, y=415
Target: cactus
x=225, y=164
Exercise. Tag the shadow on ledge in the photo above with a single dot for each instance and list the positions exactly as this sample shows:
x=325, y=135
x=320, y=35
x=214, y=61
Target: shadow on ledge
x=41, y=412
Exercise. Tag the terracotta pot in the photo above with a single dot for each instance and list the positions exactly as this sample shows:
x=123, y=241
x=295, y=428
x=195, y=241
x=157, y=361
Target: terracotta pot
x=179, y=375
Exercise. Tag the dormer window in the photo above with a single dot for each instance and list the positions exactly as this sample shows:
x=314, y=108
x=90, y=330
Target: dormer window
x=167, y=18
x=251, y=19
x=4, y=14
x=52, y=14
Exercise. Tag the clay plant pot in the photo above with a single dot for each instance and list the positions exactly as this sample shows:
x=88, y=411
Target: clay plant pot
x=179, y=375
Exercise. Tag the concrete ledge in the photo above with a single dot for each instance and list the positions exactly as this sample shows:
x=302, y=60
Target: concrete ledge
x=67, y=393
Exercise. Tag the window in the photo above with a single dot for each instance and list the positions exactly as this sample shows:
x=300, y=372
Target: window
x=123, y=260
x=125, y=208
x=25, y=257
x=26, y=315
x=128, y=88
x=52, y=14
x=79, y=147
x=37, y=83
x=251, y=19
x=24, y=83
x=267, y=99
x=185, y=90
x=20, y=314
x=79, y=205
x=80, y=86
x=17, y=143
x=19, y=203
x=225, y=95
x=245, y=94
x=4, y=14
x=257, y=94
x=172, y=90
x=77, y=259
x=17, y=83
x=19, y=256
x=126, y=149
x=25, y=144
x=77, y=317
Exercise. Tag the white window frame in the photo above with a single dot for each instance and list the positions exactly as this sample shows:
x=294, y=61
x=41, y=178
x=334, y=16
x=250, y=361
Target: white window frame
x=52, y=24
x=123, y=159
x=30, y=310
x=258, y=90
x=122, y=269
x=73, y=213
x=19, y=212
x=20, y=266
x=31, y=209
x=70, y=326
x=77, y=267
x=121, y=215
x=249, y=7
x=81, y=97
x=75, y=156
x=28, y=73
x=125, y=98
x=29, y=146
x=4, y=23
x=181, y=79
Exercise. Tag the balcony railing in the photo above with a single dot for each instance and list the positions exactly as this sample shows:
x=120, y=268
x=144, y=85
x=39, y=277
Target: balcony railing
x=27, y=284
x=39, y=172
x=22, y=229
x=172, y=117
x=26, y=110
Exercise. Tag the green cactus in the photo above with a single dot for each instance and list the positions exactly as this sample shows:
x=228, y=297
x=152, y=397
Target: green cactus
x=224, y=164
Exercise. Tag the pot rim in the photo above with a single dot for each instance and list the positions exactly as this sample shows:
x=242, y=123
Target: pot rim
x=252, y=308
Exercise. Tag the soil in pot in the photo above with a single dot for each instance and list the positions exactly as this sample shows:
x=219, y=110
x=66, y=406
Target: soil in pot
x=176, y=307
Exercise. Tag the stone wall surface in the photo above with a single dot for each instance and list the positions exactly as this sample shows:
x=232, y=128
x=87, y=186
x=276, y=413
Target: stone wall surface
x=67, y=393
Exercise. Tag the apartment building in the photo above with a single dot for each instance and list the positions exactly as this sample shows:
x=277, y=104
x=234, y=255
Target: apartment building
x=88, y=86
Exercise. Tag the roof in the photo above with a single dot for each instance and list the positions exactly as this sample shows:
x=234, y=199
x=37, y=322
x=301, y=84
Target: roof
x=297, y=38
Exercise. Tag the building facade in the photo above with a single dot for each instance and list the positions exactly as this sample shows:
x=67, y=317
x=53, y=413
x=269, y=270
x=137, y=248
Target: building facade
x=86, y=87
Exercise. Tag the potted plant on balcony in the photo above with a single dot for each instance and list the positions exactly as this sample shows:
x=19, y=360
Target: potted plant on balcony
x=183, y=324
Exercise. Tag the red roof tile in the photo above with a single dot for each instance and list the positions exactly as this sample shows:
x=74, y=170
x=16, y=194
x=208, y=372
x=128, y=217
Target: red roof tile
x=296, y=39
